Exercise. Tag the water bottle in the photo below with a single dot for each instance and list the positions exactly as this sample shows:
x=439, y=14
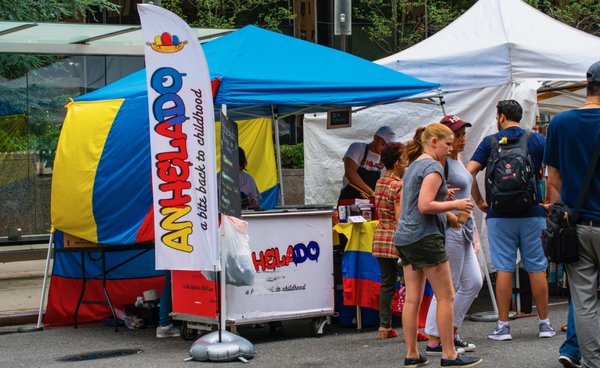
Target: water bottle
x=342, y=213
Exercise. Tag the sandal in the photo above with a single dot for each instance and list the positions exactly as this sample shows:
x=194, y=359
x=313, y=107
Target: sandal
x=386, y=333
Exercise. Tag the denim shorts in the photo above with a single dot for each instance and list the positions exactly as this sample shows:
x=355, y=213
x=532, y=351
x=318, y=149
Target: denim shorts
x=506, y=235
x=426, y=252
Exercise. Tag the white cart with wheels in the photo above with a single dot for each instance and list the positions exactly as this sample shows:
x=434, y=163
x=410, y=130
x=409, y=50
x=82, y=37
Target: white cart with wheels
x=293, y=256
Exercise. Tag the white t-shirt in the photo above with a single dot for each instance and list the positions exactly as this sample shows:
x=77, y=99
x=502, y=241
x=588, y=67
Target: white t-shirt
x=356, y=151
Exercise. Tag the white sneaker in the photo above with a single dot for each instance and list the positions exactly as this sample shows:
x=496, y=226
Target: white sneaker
x=167, y=331
x=568, y=362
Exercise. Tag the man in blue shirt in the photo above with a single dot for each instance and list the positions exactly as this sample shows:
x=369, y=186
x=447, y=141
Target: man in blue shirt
x=509, y=232
x=572, y=138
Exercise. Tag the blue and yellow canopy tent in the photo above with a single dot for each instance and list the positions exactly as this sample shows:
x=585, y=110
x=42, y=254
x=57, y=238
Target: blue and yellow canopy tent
x=101, y=189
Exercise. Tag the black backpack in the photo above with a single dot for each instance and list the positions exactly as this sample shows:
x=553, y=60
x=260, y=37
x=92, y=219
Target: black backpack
x=509, y=176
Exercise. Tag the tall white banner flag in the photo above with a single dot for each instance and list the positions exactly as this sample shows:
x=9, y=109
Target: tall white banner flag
x=182, y=141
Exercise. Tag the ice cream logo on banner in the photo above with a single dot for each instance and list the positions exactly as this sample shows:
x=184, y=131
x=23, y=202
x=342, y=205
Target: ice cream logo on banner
x=167, y=43
x=271, y=259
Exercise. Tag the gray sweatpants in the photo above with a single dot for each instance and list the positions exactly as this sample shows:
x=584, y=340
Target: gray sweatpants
x=466, y=279
x=583, y=281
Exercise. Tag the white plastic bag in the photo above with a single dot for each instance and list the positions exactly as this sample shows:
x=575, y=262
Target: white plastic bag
x=238, y=266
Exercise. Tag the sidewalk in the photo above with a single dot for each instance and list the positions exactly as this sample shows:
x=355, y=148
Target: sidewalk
x=20, y=288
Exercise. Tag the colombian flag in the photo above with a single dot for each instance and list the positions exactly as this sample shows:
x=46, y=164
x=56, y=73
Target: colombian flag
x=129, y=274
x=360, y=270
x=361, y=273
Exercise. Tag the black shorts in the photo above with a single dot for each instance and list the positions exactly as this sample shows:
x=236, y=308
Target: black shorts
x=426, y=252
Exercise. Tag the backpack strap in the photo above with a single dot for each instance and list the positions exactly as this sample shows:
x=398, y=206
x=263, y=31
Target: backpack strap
x=587, y=181
x=494, y=147
x=524, y=141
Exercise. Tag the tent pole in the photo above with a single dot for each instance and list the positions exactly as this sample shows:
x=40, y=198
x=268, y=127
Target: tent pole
x=40, y=325
x=486, y=316
x=47, y=266
x=442, y=103
x=276, y=124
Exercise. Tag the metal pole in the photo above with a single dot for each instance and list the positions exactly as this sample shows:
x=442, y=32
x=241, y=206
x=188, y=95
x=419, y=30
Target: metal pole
x=223, y=291
x=442, y=103
x=46, y=267
x=486, y=316
x=488, y=281
x=40, y=325
x=277, y=146
x=222, y=275
x=518, y=287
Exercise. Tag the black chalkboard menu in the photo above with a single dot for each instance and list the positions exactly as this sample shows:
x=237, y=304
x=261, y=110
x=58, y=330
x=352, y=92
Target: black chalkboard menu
x=339, y=118
x=229, y=200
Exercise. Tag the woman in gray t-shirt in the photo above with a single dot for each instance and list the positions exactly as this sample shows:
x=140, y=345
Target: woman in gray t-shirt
x=419, y=239
x=464, y=267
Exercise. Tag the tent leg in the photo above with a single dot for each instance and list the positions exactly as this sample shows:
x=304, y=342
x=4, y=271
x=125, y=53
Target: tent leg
x=46, y=267
x=491, y=316
x=488, y=281
x=40, y=325
x=277, y=145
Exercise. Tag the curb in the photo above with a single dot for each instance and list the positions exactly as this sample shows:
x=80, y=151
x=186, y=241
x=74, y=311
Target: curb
x=23, y=275
x=19, y=318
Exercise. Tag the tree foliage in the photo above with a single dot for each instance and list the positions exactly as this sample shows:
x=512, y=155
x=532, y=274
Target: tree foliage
x=394, y=25
x=14, y=66
x=51, y=10
x=397, y=24
x=269, y=14
x=36, y=101
x=581, y=14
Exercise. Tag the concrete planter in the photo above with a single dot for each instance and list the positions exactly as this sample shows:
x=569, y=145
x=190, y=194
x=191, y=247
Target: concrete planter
x=293, y=186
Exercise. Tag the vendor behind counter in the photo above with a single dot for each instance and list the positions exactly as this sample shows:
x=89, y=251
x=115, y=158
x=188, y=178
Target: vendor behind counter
x=362, y=165
x=248, y=190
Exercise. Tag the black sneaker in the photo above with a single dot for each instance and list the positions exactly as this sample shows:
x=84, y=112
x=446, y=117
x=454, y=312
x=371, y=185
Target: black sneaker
x=462, y=361
x=460, y=343
x=415, y=362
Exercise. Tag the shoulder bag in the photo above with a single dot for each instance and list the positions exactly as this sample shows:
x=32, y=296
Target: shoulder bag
x=559, y=239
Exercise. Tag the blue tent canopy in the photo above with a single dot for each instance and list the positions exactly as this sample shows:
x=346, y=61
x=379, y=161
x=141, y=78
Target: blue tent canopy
x=260, y=69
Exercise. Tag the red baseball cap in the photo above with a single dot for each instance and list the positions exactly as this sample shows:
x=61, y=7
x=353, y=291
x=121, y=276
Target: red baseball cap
x=454, y=122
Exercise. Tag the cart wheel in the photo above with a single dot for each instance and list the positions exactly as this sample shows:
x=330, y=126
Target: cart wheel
x=316, y=326
x=188, y=334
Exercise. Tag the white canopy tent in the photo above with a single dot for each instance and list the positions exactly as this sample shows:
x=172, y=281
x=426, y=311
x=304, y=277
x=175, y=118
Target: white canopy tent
x=498, y=49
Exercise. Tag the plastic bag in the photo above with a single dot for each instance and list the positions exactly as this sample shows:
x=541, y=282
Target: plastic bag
x=239, y=267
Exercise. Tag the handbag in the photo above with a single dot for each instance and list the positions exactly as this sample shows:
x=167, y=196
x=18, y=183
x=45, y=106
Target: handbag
x=559, y=239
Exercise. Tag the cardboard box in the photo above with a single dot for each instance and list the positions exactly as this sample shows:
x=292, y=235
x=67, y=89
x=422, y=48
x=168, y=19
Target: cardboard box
x=71, y=241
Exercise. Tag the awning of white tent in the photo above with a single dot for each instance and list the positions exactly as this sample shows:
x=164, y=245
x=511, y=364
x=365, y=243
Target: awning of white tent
x=80, y=39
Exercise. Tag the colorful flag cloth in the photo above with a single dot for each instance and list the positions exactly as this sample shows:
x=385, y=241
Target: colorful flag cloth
x=361, y=277
x=129, y=274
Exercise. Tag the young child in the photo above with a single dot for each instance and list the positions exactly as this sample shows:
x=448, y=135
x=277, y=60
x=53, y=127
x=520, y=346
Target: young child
x=419, y=239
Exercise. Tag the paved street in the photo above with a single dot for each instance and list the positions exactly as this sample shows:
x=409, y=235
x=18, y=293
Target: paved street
x=338, y=347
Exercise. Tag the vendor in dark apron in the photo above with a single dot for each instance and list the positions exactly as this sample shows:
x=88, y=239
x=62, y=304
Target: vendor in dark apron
x=368, y=169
